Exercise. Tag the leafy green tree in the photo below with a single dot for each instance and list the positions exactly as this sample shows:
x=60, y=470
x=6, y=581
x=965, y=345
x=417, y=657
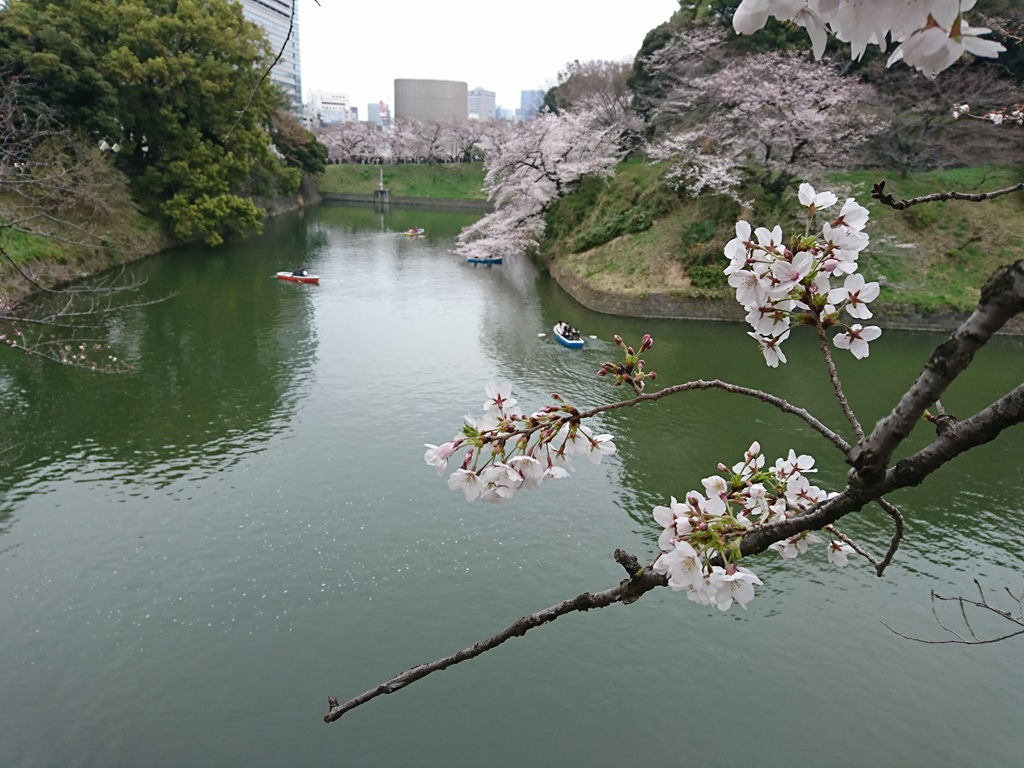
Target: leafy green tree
x=174, y=87
x=299, y=147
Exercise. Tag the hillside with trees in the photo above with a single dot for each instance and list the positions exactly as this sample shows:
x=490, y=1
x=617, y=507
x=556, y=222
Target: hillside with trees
x=174, y=93
x=734, y=123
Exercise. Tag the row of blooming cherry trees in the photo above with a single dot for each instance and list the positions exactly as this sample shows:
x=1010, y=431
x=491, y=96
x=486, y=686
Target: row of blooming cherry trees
x=411, y=141
x=807, y=279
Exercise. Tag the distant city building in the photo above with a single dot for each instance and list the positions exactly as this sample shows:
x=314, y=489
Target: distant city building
x=327, y=108
x=431, y=100
x=379, y=113
x=481, y=104
x=530, y=103
x=275, y=17
x=353, y=114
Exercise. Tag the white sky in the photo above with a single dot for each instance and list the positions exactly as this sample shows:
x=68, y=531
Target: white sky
x=361, y=47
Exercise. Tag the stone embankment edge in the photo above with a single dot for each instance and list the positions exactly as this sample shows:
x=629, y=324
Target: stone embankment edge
x=55, y=274
x=669, y=306
x=438, y=202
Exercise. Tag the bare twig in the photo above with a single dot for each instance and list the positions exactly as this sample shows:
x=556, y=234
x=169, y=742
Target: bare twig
x=639, y=583
x=878, y=193
x=705, y=384
x=981, y=604
x=837, y=385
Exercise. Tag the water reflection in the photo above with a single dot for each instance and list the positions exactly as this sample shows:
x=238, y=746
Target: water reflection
x=247, y=517
x=217, y=369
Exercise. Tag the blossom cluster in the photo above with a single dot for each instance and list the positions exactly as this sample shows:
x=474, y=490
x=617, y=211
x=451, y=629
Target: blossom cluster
x=701, y=537
x=932, y=34
x=508, y=451
x=780, y=285
x=1014, y=114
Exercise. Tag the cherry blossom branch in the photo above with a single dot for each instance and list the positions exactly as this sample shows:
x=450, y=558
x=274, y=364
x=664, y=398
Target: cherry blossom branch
x=880, y=565
x=981, y=604
x=757, y=394
x=1002, y=297
x=837, y=385
x=878, y=193
x=894, y=544
x=640, y=581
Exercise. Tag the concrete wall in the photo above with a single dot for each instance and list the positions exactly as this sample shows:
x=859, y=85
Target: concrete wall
x=431, y=101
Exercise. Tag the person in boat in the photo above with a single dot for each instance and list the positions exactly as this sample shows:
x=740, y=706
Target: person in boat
x=299, y=272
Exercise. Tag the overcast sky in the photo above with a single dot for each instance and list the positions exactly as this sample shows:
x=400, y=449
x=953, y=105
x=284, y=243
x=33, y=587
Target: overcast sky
x=361, y=47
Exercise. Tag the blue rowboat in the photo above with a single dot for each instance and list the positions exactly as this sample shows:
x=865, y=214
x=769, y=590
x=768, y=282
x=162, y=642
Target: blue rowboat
x=567, y=335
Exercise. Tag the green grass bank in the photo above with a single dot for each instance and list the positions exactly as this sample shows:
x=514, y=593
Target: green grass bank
x=632, y=240
x=453, y=181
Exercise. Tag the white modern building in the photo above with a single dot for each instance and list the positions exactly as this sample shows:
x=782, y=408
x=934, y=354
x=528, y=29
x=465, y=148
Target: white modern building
x=481, y=104
x=275, y=16
x=328, y=108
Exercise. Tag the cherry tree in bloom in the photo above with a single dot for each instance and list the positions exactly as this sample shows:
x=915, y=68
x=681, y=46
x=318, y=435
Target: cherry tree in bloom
x=932, y=34
x=777, y=113
x=538, y=162
x=351, y=141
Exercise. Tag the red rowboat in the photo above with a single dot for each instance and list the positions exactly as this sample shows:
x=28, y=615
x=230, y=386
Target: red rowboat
x=313, y=279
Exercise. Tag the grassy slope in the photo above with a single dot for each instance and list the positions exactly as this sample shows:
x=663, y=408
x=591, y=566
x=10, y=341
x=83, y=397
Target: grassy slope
x=458, y=181
x=933, y=257
x=122, y=234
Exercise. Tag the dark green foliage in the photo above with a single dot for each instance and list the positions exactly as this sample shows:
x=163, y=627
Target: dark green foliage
x=170, y=81
x=628, y=222
x=300, y=148
x=699, y=232
x=704, y=276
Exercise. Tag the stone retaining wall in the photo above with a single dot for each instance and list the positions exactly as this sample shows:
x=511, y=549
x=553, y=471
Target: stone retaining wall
x=436, y=202
x=674, y=307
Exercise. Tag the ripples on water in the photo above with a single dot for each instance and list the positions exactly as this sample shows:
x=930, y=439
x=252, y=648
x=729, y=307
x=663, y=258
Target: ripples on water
x=203, y=550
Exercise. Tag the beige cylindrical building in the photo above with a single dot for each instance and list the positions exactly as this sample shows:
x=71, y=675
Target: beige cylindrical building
x=431, y=100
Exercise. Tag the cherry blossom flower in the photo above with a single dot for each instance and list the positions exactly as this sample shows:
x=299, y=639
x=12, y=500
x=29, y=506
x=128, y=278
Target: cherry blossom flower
x=499, y=398
x=501, y=481
x=794, y=546
x=856, y=293
x=468, y=482
x=932, y=33
x=815, y=201
x=771, y=347
x=682, y=564
x=438, y=455
x=852, y=215
x=793, y=463
x=839, y=552
x=856, y=339
x=932, y=49
x=733, y=583
x=600, y=446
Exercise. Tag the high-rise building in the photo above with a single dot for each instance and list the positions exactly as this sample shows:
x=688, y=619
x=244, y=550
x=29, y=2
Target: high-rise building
x=530, y=103
x=430, y=100
x=481, y=104
x=378, y=113
x=275, y=16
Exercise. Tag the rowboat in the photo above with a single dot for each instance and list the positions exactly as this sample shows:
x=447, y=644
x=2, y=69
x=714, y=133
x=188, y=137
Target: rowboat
x=311, y=279
x=482, y=260
x=414, y=232
x=565, y=334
